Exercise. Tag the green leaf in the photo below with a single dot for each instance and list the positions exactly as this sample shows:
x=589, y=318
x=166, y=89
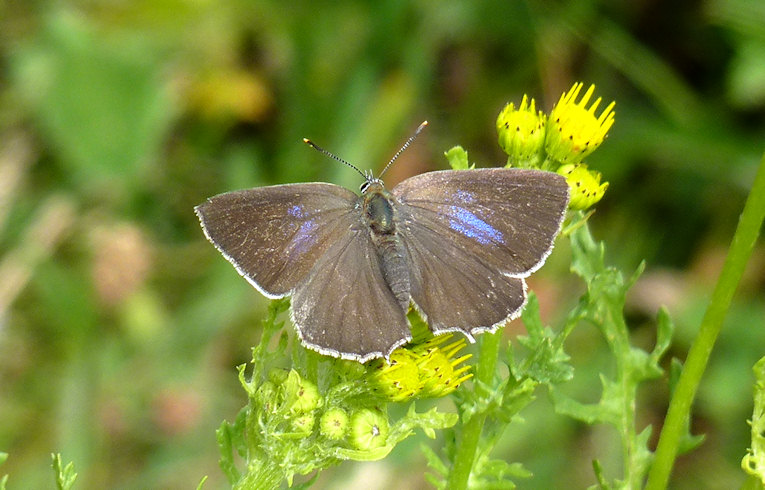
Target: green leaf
x=603, y=306
x=202, y=482
x=226, y=448
x=4, y=478
x=101, y=104
x=597, y=468
x=589, y=256
x=688, y=442
x=546, y=361
x=435, y=463
x=458, y=158
x=496, y=473
x=65, y=475
x=665, y=329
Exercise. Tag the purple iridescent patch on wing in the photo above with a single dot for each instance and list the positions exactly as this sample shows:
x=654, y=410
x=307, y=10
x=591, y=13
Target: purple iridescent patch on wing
x=304, y=238
x=470, y=225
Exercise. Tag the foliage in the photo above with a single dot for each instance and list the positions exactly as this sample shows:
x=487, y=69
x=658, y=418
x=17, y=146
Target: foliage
x=281, y=432
x=65, y=475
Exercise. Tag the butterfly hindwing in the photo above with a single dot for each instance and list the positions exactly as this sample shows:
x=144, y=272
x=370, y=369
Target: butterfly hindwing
x=345, y=308
x=472, y=236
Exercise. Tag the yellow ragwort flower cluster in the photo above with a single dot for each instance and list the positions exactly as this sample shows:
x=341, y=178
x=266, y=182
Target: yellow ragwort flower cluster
x=428, y=370
x=560, y=141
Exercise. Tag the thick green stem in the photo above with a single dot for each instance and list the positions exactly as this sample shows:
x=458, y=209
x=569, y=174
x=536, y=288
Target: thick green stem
x=679, y=408
x=471, y=432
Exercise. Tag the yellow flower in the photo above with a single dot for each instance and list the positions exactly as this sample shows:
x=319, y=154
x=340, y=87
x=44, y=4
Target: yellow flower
x=521, y=132
x=397, y=379
x=573, y=130
x=585, y=185
x=427, y=370
x=438, y=369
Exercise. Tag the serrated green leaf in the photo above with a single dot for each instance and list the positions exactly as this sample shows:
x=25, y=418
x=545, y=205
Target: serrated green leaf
x=516, y=399
x=643, y=456
x=587, y=413
x=226, y=449
x=65, y=475
x=532, y=319
x=587, y=256
x=603, y=306
x=482, y=400
x=432, y=460
x=642, y=365
x=688, y=442
x=546, y=361
x=665, y=329
x=432, y=419
x=497, y=473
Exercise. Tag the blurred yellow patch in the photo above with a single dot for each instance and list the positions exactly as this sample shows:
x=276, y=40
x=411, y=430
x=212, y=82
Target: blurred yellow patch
x=232, y=93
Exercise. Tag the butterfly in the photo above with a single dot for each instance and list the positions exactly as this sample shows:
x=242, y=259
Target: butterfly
x=455, y=244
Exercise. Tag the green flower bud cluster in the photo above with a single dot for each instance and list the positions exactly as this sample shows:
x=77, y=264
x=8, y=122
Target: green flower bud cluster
x=324, y=411
x=559, y=141
x=297, y=401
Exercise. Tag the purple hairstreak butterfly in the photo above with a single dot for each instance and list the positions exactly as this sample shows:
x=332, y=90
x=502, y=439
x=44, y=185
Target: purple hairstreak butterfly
x=455, y=244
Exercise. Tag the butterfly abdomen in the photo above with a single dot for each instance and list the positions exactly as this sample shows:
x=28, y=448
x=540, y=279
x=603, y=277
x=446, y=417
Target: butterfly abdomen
x=379, y=216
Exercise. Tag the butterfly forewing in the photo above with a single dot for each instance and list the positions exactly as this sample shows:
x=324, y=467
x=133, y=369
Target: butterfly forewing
x=508, y=216
x=275, y=235
x=471, y=236
x=309, y=240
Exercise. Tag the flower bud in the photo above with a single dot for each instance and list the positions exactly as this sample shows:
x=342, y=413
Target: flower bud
x=334, y=424
x=368, y=429
x=522, y=132
x=584, y=184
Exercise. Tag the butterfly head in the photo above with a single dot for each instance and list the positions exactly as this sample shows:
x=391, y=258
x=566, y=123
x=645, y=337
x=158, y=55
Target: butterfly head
x=371, y=183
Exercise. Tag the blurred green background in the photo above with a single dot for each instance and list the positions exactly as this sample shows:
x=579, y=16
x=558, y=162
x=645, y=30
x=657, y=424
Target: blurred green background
x=120, y=326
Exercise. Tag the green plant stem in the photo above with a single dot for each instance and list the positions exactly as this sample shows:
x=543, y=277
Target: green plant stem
x=471, y=432
x=679, y=408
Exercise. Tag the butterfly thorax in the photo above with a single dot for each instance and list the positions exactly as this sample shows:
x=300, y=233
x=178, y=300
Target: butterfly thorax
x=380, y=216
x=378, y=210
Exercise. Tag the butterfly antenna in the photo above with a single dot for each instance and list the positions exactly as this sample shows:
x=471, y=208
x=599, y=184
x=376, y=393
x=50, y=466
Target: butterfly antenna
x=404, y=147
x=333, y=156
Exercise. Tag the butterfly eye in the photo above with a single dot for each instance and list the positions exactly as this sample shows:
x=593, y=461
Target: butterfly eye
x=371, y=183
